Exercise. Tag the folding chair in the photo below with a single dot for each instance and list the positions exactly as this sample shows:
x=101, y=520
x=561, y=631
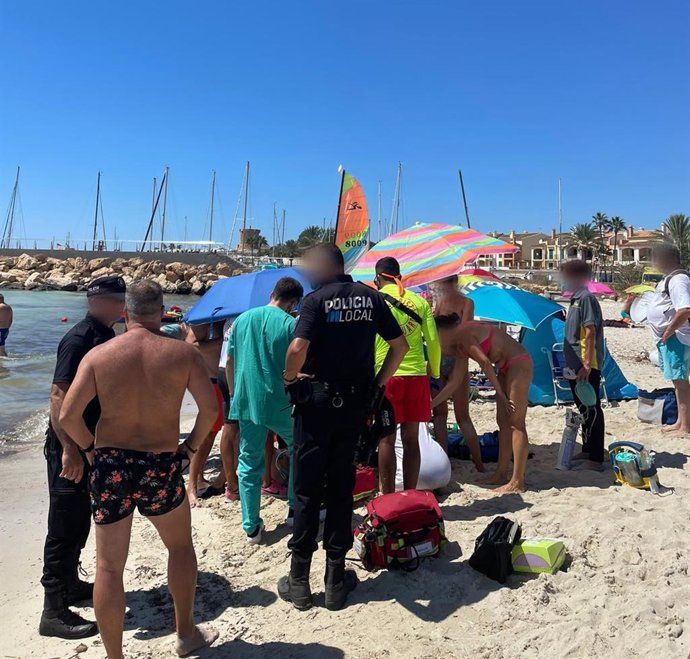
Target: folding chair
x=560, y=382
x=557, y=363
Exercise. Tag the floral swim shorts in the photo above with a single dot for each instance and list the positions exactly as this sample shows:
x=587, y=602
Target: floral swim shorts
x=122, y=479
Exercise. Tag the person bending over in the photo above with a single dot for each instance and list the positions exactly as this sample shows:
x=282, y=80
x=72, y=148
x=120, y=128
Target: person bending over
x=491, y=348
x=137, y=462
x=448, y=300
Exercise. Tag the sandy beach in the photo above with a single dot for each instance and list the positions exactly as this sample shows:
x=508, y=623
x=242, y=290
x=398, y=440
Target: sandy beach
x=626, y=592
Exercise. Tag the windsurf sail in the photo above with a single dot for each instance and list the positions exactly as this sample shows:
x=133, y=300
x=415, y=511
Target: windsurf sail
x=352, y=226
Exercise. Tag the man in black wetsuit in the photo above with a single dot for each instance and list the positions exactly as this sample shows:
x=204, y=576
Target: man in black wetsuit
x=69, y=515
x=329, y=375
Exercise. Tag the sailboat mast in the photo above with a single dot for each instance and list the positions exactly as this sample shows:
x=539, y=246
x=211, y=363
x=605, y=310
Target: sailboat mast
x=560, y=223
x=246, y=199
x=275, y=228
x=103, y=230
x=149, y=228
x=396, y=201
x=340, y=201
x=378, y=231
x=95, y=215
x=155, y=190
x=464, y=199
x=213, y=196
x=9, y=220
x=165, y=205
x=282, y=229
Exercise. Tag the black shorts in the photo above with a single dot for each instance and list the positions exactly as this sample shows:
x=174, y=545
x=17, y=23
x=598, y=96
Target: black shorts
x=122, y=479
x=227, y=401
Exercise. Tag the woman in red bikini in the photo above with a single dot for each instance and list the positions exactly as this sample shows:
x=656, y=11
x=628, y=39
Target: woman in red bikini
x=494, y=351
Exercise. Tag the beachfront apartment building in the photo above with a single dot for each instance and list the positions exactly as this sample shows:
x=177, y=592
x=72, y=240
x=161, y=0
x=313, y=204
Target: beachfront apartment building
x=540, y=251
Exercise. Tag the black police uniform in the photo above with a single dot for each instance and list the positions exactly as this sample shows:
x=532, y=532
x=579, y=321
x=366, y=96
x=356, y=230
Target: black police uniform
x=69, y=515
x=340, y=320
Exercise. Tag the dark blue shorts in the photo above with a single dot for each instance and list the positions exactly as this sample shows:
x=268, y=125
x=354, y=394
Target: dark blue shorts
x=3, y=335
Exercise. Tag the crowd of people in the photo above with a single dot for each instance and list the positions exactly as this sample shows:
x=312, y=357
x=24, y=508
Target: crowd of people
x=293, y=387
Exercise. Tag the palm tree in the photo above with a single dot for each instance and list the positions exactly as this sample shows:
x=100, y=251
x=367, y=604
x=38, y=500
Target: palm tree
x=256, y=243
x=616, y=225
x=585, y=237
x=676, y=228
x=311, y=236
x=291, y=249
x=600, y=222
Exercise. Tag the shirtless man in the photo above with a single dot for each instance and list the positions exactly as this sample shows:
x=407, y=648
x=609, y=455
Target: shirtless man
x=136, y=462
x=448, y=300
x=5, y=324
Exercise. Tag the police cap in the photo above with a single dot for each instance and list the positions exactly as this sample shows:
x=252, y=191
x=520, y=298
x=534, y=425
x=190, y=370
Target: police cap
x=113, y=287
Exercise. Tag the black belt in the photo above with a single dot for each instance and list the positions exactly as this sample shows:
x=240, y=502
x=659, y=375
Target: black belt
x=338, y=390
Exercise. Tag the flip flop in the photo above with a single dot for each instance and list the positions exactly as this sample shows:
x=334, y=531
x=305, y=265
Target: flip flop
x=275, y=490
x=232, y=495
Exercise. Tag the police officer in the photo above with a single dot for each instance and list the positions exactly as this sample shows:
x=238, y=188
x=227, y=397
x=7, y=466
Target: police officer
x=329, y=375
x=69, y=518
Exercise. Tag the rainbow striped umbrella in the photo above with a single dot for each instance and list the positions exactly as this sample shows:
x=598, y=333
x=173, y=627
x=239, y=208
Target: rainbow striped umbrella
x=429, y=252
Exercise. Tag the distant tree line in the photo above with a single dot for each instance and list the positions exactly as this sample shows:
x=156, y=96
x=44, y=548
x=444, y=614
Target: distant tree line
x=591, y=237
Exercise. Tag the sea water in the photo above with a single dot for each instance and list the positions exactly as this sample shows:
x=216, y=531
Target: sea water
x=26, y=374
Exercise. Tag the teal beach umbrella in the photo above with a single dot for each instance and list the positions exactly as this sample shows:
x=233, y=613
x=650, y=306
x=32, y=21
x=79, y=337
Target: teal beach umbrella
x=512, y=306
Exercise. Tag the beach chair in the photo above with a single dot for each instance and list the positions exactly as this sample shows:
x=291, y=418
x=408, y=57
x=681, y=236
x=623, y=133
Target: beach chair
x=557, y=363
x=560, y=382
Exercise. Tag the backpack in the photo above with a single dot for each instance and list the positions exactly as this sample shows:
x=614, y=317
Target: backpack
x=667, y=280
x=399, y=530
x=667, y=283
x=493, y=549
x=633, y=465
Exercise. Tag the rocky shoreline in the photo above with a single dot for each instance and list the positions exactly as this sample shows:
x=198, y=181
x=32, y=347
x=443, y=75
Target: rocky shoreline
x=45, y=273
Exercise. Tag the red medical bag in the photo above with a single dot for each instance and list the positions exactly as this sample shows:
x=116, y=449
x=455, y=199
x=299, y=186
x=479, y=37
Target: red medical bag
x=399, y=530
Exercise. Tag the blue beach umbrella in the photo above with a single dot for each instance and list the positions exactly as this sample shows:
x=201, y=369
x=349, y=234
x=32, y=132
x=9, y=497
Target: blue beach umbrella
x=232, y=296
x=512, y=306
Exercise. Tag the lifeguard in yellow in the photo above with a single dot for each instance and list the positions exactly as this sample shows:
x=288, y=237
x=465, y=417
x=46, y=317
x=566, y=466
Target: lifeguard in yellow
x=408, y=391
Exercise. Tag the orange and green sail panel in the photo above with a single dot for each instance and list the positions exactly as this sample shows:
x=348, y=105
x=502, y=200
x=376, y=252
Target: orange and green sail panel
x=352, y=227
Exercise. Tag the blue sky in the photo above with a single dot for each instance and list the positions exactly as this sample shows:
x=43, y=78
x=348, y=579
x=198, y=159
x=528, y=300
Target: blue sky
x=517, y=94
